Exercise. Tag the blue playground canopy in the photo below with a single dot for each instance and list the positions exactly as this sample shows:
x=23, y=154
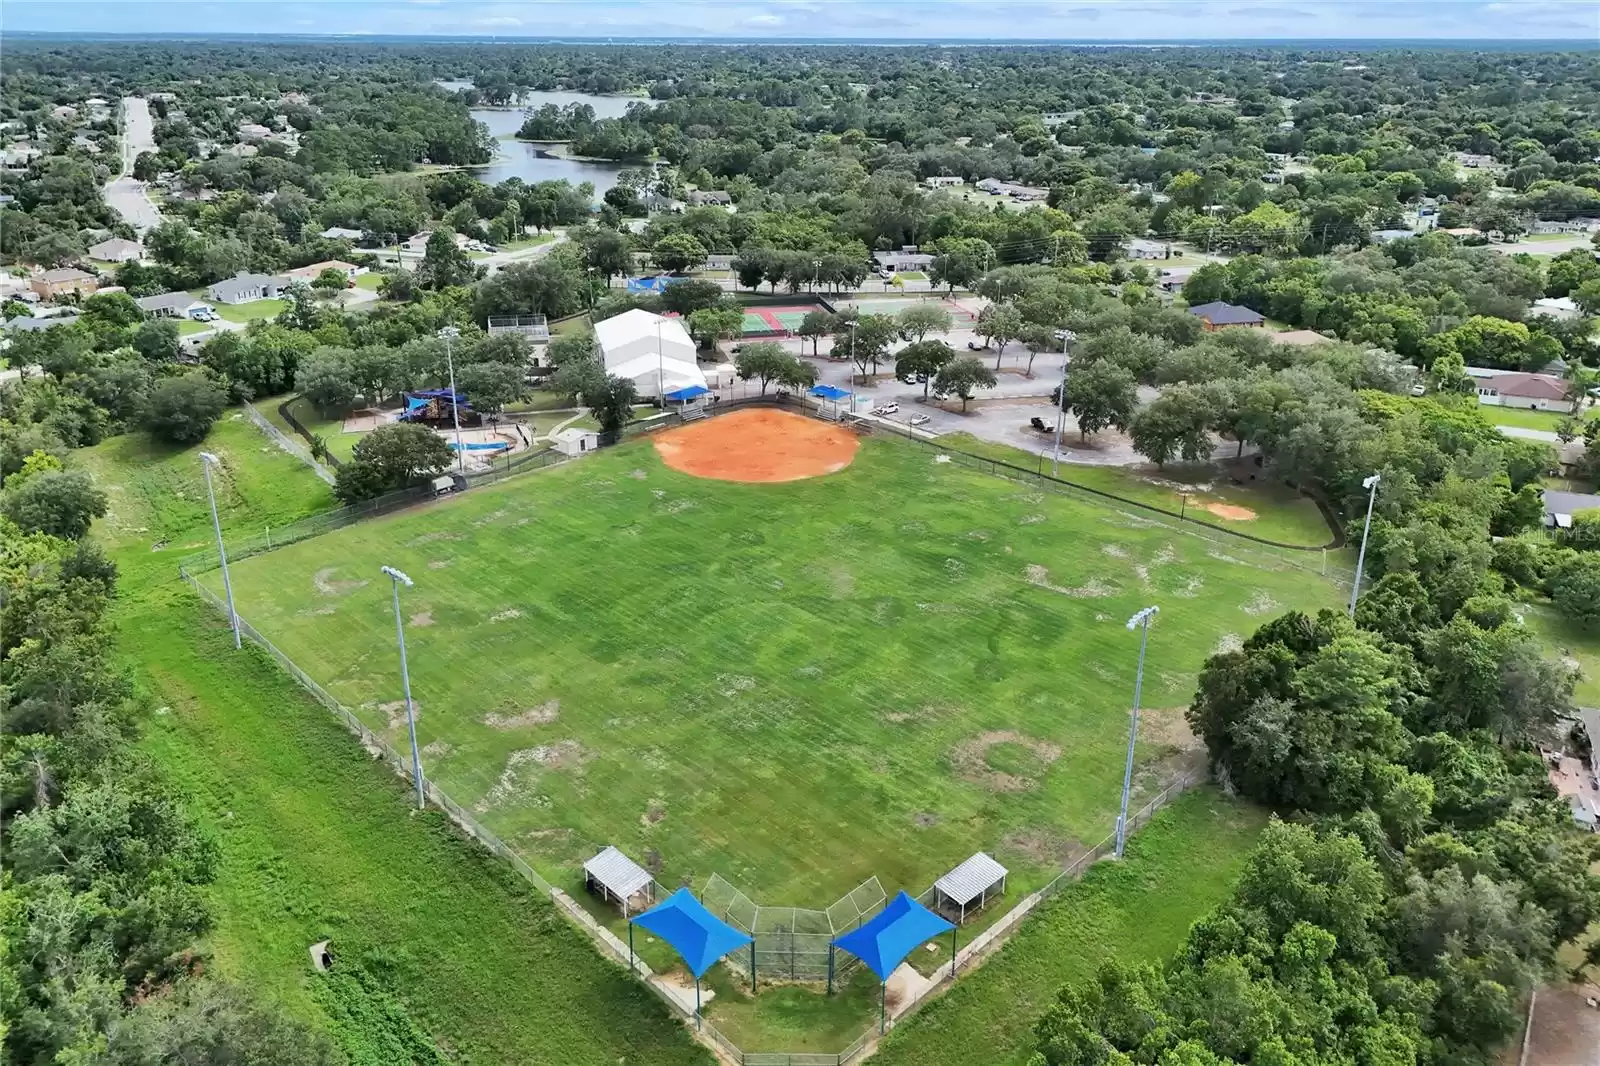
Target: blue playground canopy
x=699, y=936
x=889, y=936
x=830, y=392
x=688, y=392
x=658, y=283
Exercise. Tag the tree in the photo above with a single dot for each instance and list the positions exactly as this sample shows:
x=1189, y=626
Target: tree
x=444, y=263
x=577, y=377
x=1574, y=586
x=1587, y=297
x=750, y=268
x=491, y=386
x=332, y=280
x=182, y=409
x=1176, y=423
x=60, y=503
x=960, y=377
x=795, y=373
x=687, y=297
x=605, y=252
x=390, y=458
x=764, y=361
x=816, y=324
x=865, y=339
x=1001, y=322
x=919, y=320
x=576, y=346
x=711, y=324
x=325, y=377
x=677, y=253
x=919, y=363
x=1099, y=395
x=157, y=340
x=960, y=262
x=611, y=403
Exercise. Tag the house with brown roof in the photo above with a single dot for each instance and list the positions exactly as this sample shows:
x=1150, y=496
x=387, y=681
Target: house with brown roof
x=312, y=271
x=1533, y=392
x=50, y=284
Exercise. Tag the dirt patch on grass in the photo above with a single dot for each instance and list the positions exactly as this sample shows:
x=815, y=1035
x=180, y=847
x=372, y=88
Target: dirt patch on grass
x=394, y=712
x=324, y=583
x=1260, y=603
x=437, y=749
x=438, y=564
x=543, y=714
x=1040, y=576
x=1116, y=551
x=1228, y=642
x=972, y=760
x=1042, y=845
x=521, y=773
x=654, y=812
x=1231, y=512
x=506, y=615
x=1169, y=726
x=757, y=445
x=422, y=618
x=924, y=819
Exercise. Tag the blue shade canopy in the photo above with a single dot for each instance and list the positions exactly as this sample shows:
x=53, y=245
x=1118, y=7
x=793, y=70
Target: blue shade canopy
x=829, y=392
x=893, y=933
x=688, y=392
x=696, y=934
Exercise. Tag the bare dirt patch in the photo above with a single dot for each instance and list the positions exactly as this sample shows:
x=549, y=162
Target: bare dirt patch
x=1229, y=511
x=1040, y=576
x=924, y=819
x=1042, y=845
x=324, y=583
x=506, y=615
x=438, y=564
x=1228, y=642
x=394, y=712
x=520, y=776
x=422, y=618
x=1260, y=603
x=543, y=714
x=437, y=749
x=971, y=760
x=1169, y=726
x=758, y=445
x=654, y=812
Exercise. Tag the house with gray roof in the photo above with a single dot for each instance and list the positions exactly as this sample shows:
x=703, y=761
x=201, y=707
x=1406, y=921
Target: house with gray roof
x=1218, y=315
x=170, y=305
x=1559, y=507
x=116, y=250
x=243, y=288
x=28, y=325
x=342, y=233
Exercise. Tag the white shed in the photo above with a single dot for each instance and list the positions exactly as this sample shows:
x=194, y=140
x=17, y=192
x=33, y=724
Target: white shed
x=618, y=877
x=575, y=441
x=972, y=880
x=655, y=352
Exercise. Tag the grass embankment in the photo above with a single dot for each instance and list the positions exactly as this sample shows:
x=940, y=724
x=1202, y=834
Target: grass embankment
x=1177, y=868
x=1198, y=489
x=798, y=686
x=317, y=841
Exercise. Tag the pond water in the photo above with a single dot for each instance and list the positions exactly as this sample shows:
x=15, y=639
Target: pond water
x=532, y=162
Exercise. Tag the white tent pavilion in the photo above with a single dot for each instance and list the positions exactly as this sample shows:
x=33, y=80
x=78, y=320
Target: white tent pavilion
x=656, y=353
x=972, y=880
x=618, y=877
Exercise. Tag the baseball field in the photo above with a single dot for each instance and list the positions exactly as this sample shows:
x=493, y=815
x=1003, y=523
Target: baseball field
x=797, y=684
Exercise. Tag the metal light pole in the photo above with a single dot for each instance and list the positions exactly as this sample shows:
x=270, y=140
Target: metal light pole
x=816, y=274
x=1141, y=620
x=396, y=579
x=207, y=459
x=852, y=364
x=450, y=333
x=1371, y=485
x=661, y=368
x=1067, y=337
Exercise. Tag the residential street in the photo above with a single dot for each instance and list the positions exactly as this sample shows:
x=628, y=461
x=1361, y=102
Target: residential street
x=126, y=195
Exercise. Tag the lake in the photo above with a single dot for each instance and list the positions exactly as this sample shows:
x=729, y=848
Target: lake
x=531, y=162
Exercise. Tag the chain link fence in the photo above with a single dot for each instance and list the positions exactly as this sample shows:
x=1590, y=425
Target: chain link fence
x=793, y=943
x=293, y=447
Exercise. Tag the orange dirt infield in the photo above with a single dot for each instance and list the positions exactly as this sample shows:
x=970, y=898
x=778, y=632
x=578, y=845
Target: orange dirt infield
x=758, y=445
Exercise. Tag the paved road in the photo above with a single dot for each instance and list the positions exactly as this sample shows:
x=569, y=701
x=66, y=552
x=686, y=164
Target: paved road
x=126, y=195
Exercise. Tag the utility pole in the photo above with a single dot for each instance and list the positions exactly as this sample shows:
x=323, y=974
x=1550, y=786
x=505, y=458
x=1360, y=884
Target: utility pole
x=661, y=367
x=207, y=460
x=1371, y=485
x=450, y=333
x=396, y=579
x=1067, y=339
x=816, y=274
x=1142, y=621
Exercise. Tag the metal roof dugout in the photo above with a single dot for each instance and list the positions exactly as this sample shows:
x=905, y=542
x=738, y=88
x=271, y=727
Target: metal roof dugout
x=971, y=880
x=618, y=877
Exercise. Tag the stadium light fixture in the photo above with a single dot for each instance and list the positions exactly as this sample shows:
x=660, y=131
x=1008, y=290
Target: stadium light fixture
x=207, y=461
x=396, y=579
x=1140, y=621
x=448, y=334
x=1370, y=483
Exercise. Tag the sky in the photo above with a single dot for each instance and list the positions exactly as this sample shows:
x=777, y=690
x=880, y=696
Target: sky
x=888, y=20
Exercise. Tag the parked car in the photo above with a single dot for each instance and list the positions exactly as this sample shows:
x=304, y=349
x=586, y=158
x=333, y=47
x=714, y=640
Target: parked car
x=974, y=346
x=204, y=314
x=918, y=420
x=884, y=409
x=1419, y=390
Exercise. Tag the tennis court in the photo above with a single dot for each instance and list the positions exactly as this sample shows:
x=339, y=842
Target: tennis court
x=775, y=321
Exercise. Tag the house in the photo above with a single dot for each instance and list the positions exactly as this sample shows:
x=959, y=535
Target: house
x=254, y=131
x=65, y=112
x=1059, y=118
x=1556, y=307
x=1559, y=507
x=1301, y=337
x=711, y=198
x=117, y=250
x=17, y=157
x=1173, y=278
x=340, y=233
x=1384, y=236
x=654, y=352
x=28, y=325
x=660, y=202
x=1139, y=248
x=943, y=181
x=1533, y=392
x=1474, y=160
x=243, y=288
x=904, y=259
x=312, y=271
x=1218, y=315
x=170, y=305
x=1463, y=232
x=52, y=283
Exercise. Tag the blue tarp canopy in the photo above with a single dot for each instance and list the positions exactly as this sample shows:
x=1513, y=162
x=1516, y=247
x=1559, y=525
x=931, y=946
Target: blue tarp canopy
x=696, y=934
x=889, y=936
x=829, y=392
x=688, y=392
x=658, y=283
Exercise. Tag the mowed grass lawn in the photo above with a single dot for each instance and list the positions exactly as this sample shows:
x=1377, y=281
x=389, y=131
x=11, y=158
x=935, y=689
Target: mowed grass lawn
x=249, y=312
x=1139, y=910
x=1515, y=416
x=797, y=686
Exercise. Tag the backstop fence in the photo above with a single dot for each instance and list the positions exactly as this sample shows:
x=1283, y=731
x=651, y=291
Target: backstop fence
x=792, y=943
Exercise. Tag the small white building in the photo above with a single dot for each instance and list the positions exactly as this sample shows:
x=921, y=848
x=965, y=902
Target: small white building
x=943, y=181
x=1139, y=248
x=1556, y=307
x=575, y=441
x=656, y=353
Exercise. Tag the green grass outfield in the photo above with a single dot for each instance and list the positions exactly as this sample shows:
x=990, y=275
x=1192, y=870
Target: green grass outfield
x=797, y=686
x=315, y=839
x=1177, y=868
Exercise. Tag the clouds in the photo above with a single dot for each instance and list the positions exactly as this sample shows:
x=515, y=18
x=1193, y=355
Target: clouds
x=1086, y=20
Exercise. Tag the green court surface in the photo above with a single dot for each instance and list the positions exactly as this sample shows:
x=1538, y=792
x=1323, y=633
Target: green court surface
x=754, y=323
x=797, y=686
x=790, y=320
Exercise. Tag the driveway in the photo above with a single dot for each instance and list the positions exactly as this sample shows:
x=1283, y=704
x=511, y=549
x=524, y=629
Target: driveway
x=1530, y=434
x=126, y=195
